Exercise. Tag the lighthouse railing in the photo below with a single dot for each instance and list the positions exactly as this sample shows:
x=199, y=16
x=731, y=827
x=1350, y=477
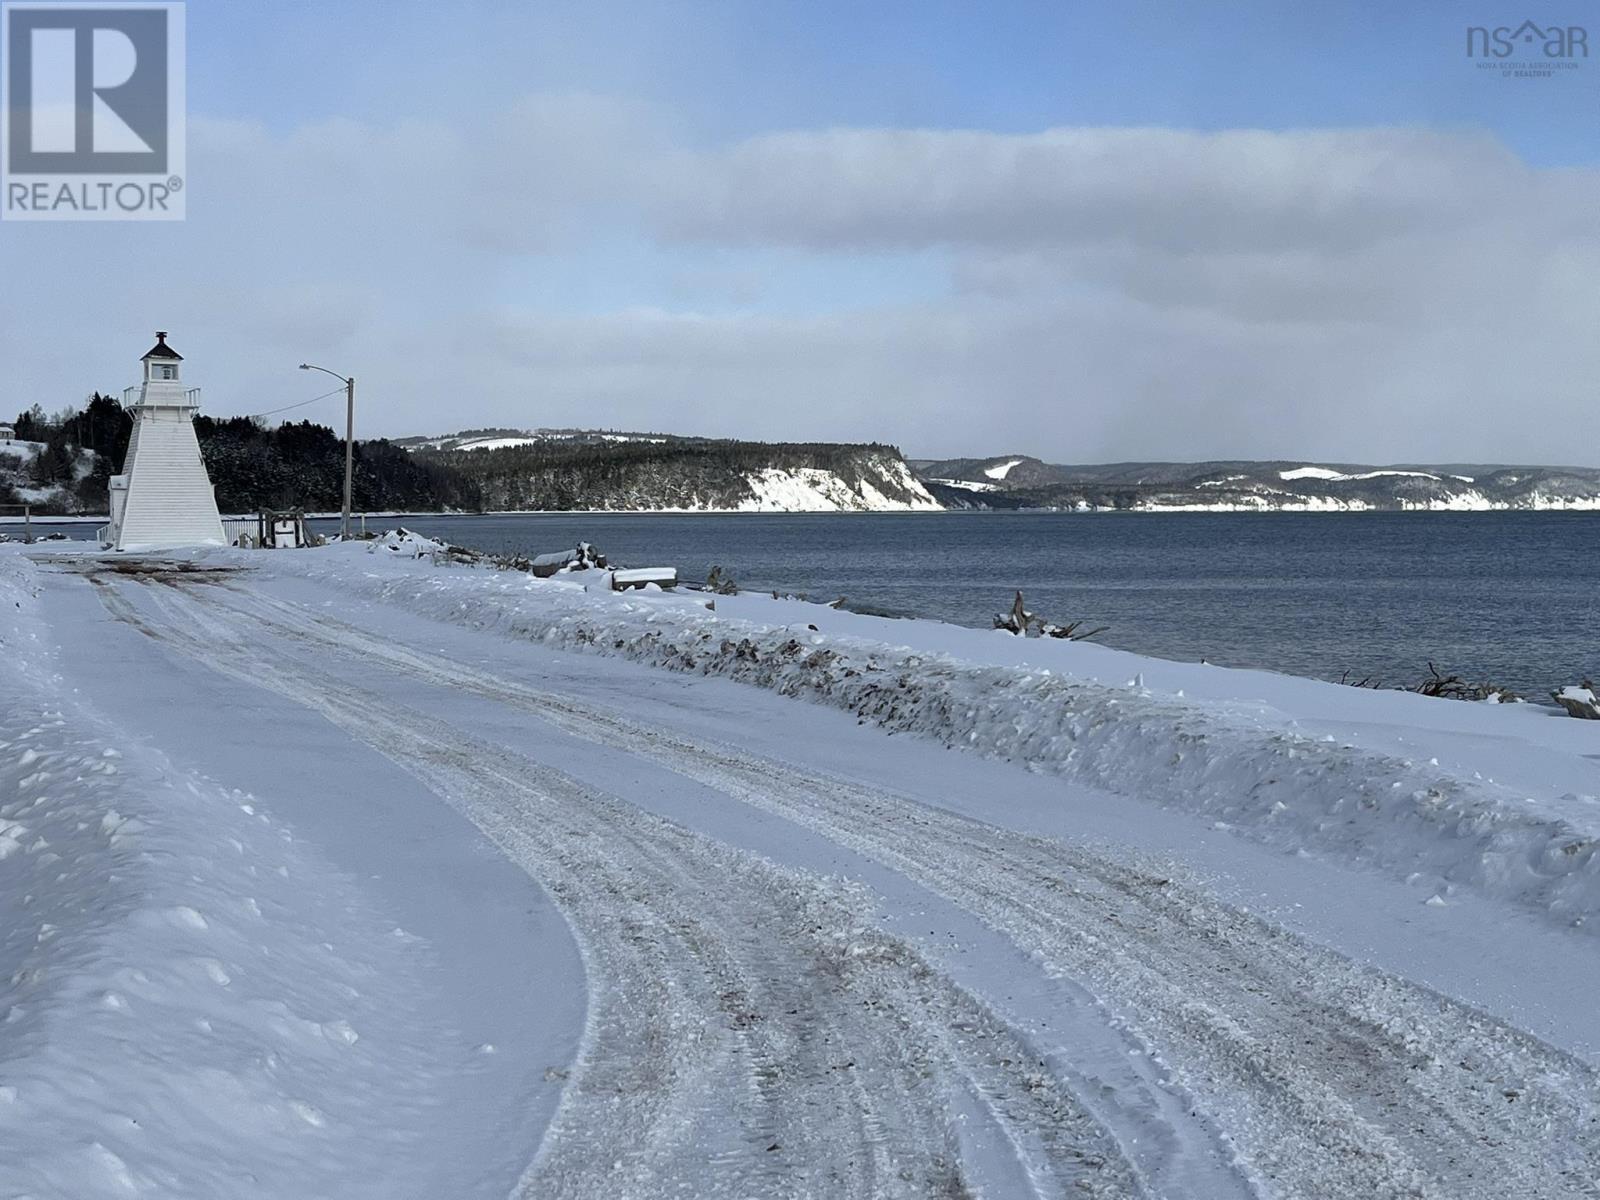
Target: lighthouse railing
x=132, y=396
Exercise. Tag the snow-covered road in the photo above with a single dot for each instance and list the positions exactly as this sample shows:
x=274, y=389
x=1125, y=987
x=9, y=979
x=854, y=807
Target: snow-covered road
x=816, y=960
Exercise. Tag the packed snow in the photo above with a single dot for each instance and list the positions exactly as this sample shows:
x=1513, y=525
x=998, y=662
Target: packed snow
x=831, y=904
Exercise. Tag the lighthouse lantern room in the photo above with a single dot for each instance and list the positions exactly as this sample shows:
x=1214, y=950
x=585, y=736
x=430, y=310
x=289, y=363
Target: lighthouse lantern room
x=163, y=499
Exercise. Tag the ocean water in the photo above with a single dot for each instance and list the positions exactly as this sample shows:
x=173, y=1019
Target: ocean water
x=1507, y=598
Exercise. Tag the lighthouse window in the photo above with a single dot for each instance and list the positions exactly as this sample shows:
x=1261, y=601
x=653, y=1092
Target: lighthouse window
x=169, y=373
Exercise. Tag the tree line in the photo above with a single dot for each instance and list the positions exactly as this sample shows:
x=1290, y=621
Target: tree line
x=253, y=465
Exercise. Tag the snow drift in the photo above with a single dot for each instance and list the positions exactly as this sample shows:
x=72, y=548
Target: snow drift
x=174, y=1019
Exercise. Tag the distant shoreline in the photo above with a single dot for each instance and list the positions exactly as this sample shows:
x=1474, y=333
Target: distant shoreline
x=101, y=518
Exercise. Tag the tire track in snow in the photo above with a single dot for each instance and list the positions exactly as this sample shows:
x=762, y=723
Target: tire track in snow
x=1331, y=1079
x=748, y=1033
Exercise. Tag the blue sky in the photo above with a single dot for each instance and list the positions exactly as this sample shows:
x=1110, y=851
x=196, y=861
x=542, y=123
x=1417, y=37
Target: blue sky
x=1110, y=231
x=730, y=69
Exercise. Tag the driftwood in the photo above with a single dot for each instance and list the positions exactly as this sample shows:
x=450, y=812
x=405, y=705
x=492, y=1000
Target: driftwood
x=461, y=554
x=1437, y=684
x=584, y=557
x=1026, y=624
x=1453, y=687
x=720, y=584
x=1366, y=681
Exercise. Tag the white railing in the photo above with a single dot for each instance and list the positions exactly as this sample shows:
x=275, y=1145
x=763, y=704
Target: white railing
x=235, y=527
x=131, y=395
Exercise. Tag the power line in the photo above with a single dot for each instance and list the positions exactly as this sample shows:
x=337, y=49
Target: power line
x=273, y=411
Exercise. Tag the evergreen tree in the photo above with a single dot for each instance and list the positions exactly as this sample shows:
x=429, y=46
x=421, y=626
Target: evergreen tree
x=32, y=425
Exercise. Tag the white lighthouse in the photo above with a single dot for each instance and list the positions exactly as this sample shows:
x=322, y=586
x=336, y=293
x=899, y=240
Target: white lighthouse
x=163, y=498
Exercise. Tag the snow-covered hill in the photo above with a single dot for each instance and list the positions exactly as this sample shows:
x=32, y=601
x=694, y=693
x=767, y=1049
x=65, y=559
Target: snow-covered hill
x=17, y=477
x=888, y=487
x=1021, y=482
x=570, y=470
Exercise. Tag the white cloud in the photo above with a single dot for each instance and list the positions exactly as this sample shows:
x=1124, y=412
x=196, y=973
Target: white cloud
x=1235, y=191
x=1355, y=294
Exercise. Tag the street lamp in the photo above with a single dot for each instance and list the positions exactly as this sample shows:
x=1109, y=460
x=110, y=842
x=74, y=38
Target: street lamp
x=349, y=436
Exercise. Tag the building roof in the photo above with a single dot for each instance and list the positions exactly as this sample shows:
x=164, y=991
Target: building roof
x=161, y=349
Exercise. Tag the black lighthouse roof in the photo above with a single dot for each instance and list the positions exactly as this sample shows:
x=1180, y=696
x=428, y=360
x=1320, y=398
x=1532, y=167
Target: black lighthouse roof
x=161, y=349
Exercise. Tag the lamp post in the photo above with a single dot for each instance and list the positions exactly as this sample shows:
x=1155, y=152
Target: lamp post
x=349, y=436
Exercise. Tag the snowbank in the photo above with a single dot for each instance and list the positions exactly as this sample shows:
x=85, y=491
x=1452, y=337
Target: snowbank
x=188, y=1000
x=1395, y=781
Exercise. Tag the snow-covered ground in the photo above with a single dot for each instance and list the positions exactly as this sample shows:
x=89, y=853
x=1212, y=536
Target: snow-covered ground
x=195, y=1001
x=1001, y=470
x=1330, y=473
x=530, y=437
x=606, y=907
x=19, y=451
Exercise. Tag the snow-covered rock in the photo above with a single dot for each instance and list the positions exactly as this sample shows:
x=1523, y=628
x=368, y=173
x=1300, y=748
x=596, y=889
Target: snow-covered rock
x=404, y=542
x=1579, y=701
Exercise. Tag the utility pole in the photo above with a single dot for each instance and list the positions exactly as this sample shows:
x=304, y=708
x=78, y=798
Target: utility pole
x=349, y=437
x=349, y=448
